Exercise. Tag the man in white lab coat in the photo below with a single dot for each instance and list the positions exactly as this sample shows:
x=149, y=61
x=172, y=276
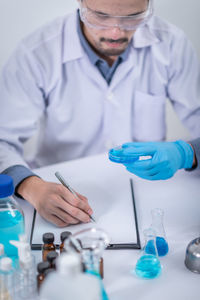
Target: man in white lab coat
x=97, y=78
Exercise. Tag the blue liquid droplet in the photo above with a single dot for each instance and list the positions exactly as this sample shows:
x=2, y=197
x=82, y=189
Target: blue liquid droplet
x=148, y=266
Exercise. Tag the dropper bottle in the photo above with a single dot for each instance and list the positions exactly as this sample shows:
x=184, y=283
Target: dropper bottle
x=26, y=286
x=6, y=279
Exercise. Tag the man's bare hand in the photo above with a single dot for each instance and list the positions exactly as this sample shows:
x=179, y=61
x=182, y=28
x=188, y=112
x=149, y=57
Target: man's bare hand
x=55, y=202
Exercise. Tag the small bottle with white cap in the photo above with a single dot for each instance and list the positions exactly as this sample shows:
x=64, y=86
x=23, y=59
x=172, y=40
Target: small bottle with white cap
x=26, y=286
x=6, y=279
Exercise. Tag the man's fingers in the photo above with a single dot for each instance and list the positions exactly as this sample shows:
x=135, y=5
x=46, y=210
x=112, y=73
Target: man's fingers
x=55, y=220
x=78, y=202
x=64, y=216
x=72, y=210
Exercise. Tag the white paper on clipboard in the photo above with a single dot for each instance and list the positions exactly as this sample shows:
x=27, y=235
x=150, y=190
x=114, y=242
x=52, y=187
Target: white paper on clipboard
x=107, y=187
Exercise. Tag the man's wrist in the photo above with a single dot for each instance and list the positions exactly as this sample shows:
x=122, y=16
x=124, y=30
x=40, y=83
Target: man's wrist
x=25, y=188
x=194, y=165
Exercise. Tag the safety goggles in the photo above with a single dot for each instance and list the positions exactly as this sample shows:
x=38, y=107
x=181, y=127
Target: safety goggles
x=99, y=20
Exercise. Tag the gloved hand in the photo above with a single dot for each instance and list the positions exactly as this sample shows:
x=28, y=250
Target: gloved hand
x=166, y=158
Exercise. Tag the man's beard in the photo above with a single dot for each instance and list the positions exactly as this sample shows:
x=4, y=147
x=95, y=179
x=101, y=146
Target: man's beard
x=112, y=51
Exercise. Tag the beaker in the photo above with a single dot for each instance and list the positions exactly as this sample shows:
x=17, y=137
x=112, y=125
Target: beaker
x=148, y=265
x=157, y=225
x=90, y=243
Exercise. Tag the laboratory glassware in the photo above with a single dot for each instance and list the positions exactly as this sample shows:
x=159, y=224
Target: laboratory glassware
x=90, y=243
x=148, y=265
x=6, y=279
x=11, y=216
x=158, y=226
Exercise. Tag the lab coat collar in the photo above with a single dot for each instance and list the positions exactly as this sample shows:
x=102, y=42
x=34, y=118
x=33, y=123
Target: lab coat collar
x=145, y=36
x=73, y=49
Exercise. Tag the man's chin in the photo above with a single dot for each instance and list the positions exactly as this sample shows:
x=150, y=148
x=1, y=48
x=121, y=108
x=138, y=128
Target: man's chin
x=112, y=52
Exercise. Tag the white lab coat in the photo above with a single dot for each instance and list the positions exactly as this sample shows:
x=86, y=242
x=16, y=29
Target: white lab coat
x=51, y=77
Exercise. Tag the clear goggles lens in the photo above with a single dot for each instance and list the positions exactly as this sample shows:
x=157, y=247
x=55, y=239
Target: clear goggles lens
x=101, y=21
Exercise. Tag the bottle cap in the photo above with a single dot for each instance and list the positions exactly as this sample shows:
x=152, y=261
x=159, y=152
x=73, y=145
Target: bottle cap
x=43, y=266
x=51, y=256
x=64, y=235
x=48, y=271
x=48, y=237
x=6, y=186
x=6, y=264
x=1, y=249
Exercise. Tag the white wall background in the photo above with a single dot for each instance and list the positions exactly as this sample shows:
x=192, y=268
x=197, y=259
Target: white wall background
x=19, y=17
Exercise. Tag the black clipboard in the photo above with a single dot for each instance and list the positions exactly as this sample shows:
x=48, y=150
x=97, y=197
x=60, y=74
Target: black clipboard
x=121, y=246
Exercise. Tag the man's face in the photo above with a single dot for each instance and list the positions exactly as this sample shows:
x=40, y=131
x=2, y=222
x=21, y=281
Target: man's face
x=112, y=41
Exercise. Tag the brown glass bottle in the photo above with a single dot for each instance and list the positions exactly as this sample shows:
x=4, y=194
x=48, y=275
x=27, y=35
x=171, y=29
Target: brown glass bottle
x=51, y=257
x=48, y=246
x=41, y=267
x=63, y=236
x=101, y=268
x=47, y=272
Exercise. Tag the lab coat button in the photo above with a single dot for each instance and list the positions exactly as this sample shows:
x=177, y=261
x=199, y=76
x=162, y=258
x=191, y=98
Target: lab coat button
x=110, y=96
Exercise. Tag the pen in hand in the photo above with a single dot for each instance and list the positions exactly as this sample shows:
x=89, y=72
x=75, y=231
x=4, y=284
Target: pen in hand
x=62, y=180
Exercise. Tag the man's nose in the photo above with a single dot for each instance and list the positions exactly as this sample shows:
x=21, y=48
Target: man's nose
x=115, y=32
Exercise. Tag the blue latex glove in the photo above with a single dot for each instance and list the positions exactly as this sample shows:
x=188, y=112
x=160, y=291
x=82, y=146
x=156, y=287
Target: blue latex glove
x=166, y=158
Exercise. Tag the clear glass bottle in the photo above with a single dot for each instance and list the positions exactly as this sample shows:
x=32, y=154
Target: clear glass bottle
x=148, y=265
x=11, y=216
x=25, y=282
x=158, y=226
x=6, y=279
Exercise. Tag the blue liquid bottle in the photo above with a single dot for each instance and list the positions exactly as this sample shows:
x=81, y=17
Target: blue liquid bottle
x=148, y=265
x=157, y=225
x=11, y=216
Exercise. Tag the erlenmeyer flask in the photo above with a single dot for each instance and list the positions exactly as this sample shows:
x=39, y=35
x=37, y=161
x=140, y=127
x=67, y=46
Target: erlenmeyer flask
x=157, y=225
x=148, y=265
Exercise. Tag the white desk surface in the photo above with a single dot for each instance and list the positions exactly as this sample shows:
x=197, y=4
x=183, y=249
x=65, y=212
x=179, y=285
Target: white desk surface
x=179, y=197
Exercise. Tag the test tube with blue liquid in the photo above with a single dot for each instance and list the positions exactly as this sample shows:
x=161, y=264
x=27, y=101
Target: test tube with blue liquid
x=158, y=226
x=148, y=265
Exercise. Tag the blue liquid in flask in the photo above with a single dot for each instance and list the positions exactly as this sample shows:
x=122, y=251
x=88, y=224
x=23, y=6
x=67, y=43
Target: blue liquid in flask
x=11, y=225
x=161, y=244
x=148, y=266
